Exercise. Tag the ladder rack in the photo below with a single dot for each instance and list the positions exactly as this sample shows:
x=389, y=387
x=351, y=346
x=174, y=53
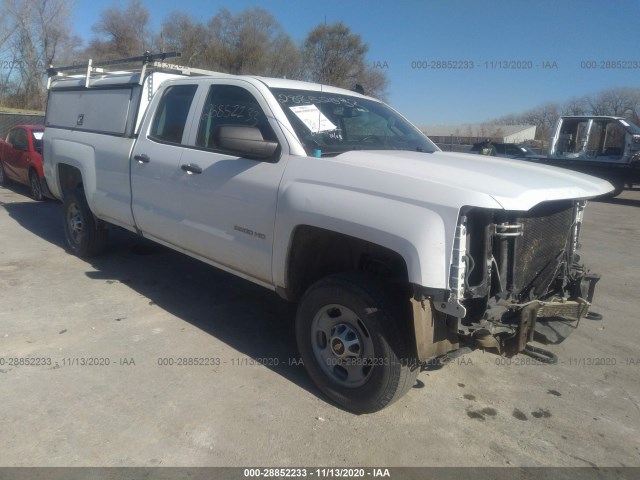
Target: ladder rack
x=146, y=62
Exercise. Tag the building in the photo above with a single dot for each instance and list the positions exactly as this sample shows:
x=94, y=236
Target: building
x=469, y=134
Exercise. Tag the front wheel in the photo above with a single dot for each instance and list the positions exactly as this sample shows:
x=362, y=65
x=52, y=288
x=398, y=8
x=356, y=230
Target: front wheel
x=353, y=338
x=85, y=234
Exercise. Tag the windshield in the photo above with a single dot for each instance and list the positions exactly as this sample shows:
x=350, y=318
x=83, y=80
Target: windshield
x=631, y=127
x=330, y=124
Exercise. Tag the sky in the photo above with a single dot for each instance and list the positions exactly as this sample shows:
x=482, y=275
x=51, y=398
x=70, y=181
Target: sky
x=512, y=55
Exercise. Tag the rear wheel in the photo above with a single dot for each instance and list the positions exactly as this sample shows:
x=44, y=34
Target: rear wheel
x=85, y=234
x=3, y=176
x=36, y=186
x=355, y=343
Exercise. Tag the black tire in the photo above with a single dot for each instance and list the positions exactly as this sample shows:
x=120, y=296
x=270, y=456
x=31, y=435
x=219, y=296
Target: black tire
x=86, y=235
x=618, y=189
x=36, y=186
x=4, y=180
x=353, y=317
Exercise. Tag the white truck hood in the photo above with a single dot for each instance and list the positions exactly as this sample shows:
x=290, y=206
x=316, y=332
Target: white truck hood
x=514, y=184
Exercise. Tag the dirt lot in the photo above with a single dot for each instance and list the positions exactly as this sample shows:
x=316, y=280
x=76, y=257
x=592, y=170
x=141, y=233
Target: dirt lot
x=105, y=333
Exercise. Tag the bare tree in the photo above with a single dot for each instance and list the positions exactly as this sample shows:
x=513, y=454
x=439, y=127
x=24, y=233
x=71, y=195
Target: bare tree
x=575, y=106
x=252, y=42
x=547, y=116
x=286, y=59
x=618, y=102
x=41, y=37
x=182, y=33
x=336, y=56
x=9, y=63
x=121, y=32
x=375, y=83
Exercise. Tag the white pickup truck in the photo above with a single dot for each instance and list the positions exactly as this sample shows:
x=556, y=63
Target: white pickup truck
x=397, y=253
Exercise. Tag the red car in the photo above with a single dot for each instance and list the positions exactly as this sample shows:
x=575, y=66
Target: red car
x=21, y=158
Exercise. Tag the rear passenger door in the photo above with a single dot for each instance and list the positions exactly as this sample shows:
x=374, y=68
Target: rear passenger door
x=156, y=177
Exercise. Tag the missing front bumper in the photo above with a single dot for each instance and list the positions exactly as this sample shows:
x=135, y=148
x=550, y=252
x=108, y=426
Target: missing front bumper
x=512, y=327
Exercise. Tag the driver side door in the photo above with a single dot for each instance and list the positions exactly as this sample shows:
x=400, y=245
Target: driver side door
x=229, y=198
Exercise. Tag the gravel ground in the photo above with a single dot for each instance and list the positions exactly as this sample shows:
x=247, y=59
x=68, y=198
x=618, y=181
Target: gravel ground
x=104, y=394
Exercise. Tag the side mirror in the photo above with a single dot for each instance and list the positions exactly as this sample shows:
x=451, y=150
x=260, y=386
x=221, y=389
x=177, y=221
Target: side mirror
x=245, y=141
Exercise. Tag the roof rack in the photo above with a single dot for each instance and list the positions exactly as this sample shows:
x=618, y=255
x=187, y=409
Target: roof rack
x=148, y=61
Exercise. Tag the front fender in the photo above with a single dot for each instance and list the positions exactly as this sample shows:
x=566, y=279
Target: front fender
x=422, y=236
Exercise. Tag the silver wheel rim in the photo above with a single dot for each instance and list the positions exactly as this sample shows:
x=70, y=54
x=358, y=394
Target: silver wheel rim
x=342, y=345
x=74, y=222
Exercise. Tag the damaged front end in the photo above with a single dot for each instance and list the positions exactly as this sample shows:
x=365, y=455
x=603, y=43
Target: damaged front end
x=515, y=277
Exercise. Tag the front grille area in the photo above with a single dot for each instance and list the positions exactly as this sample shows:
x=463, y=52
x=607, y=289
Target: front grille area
x=542, y=247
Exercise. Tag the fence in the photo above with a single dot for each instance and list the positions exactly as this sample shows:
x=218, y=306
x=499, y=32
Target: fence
x=10, y=120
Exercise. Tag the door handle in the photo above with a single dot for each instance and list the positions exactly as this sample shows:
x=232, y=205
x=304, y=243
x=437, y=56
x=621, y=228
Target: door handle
x=191, y=168
x=142, y=158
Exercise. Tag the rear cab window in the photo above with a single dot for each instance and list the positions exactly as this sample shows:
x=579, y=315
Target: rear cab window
x=170, y=118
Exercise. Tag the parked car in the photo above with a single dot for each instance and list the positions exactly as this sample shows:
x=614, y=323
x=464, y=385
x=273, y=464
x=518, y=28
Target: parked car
x=21, y=159
x=507, y=150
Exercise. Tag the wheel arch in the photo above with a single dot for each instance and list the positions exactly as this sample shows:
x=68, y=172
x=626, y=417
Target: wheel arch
x=65, y=159
x=316, y=252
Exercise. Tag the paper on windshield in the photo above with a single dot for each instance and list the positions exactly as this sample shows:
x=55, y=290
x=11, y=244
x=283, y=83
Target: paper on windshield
x=313, y=118
x=38, y=135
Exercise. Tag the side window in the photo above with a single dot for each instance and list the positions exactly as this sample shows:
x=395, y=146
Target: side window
x=11, y=138
x=230, y=105
x=171, y=116
x=596, y=136
x=573, y=137
x=580, y=143
x=613, y=140
x=20, y=138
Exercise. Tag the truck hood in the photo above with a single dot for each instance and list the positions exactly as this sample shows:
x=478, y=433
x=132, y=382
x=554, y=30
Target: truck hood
x=513, y=184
